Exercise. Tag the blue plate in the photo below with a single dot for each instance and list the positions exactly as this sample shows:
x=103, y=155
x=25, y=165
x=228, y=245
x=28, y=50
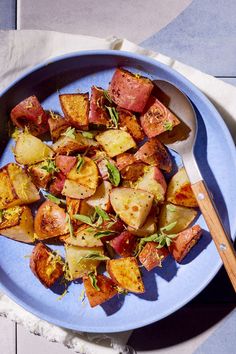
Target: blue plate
x=167, y=289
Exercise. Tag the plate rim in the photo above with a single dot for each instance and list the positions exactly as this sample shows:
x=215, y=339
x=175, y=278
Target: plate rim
x=199, y=95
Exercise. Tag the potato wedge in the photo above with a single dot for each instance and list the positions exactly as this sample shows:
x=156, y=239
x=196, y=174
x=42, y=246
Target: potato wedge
x=76, y=109
x=106, y=291
x=124, y=244
x=126, y=274
x=46, y=266
x=173, y=213
x=153, y=182
x=76, y=190
x=50, y=221
x=17, y=223
x=148, y=228
x=185, y=240
x=151, y=256
x=130, y=91
x=179, y=190
x=65, y=163
x=132, y=206
x=114, y=142
x=79, y=260
x=16, y=187
x=98, y=113
x=157, y=118
x=73, y=206
x=129, y=122
x=154, y=153
x=57, y=126
x=72, y=143
x=87, y=175
x=130, y=169
x=101, y=198
x=30, y=150
x=40, y=175
x=84, y=237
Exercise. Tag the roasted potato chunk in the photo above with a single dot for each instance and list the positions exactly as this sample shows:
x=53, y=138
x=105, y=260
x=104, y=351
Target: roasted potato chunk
x=65, y=163
x=130, y=91
x=76, y=109
x=79, y=260
x=114, y=142
x=84, y=237
x=157, y=118
x=98, y=113
x=86, y=174
x=50, y=221
x=57, y=126
x=101, y=198
x=76, y=190
x=124, y=244
x=47, y=267
x=17, y=223
x=30, y=150
x=125, y=273
x=185, y=240
x=105, y=289
x=154, y=153
x=40, y=174
x=16, y=187
x=132, y=206
x=173, y=213
x=130, y=169
x=72, y=143
x=179, y=190
x=151, y=256
x=129, y=122
x=148, y=228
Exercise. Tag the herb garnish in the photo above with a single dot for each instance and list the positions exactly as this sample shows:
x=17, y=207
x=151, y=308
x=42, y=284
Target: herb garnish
x=70, y=133
x=69, y=223
x=168, y=125
x=102, y=213
x=113, y=115
x=113, y=173
x=50, y=166
x=93, y=280
x=88, y=135
x=107, y=96
x=79, y=163
x=54, y=199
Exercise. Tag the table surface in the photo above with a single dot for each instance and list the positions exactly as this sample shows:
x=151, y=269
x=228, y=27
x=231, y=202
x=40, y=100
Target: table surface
x=201, y=33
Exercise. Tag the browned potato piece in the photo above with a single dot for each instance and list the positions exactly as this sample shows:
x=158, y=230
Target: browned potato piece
x=128, y=121
x=132, y=205
x=16, y=187
x=125, y=273
x=101, y=198
x=130, y=169
x=76, y=109
x=173, y=213
x=40, y=176
x=185, y=240
x=17, y=223
x=76, y=190
x=106, y=290
x=115, y=142
x=87, y=175
x=66, y=145
x=149, y=228
x=84, y=237
x=45, y=266
x=79, y=262
x=57, y=126
x=73, y=206
x=30, y=150
x=179, y=190
x=151, y=256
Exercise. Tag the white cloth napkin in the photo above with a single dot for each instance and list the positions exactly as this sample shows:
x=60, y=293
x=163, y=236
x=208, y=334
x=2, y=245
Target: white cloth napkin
x=21, y=50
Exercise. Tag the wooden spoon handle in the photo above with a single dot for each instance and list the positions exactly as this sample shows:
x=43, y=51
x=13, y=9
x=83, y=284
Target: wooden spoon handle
x=223, y=243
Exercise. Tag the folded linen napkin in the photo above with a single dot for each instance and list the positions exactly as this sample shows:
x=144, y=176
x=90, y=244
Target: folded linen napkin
x=21, y=50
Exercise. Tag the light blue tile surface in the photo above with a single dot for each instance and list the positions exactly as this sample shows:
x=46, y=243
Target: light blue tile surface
x=204, y=36
x=7, y=14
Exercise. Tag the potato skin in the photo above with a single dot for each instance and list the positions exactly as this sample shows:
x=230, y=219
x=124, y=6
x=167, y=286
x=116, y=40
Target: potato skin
x=154, y=153
x=57, y=126
x=129, y=122
x=106, y=292
x=98, y=114
x=129, y=167
x=46, y=271
x=157, y=118
x=151, y=256
x=185, y=240
x=130, y=91
x=124, y=244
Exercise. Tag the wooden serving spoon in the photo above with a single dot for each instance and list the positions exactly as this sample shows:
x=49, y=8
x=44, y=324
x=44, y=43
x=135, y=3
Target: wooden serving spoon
x=183, y=145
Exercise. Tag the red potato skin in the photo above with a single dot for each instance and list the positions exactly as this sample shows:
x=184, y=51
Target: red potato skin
x=155, y=116
x=185, y=240
x=50, y=221
x=102, y=168
x=129, y=167
x=129, y=122
x=158, y=176
x=39, y=262
x=65, y=163
x=151, y=256
x=154, y=153
x=57, y=185
x=30, y=113
x=98, y=113
x=124, y=244
x=107, y=290
x=130, y=91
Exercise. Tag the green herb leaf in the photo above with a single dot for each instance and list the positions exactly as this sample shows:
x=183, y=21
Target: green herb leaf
x=114, y=174
x=113, y=115
x=79, y=163
x=70, y=133
x=104, y=233
x=88, y=135
x=1, y=215
x=96, y=256
x=171, y=207
x=50, y=166
x=168, y=227
x=107, y=96
x=102, y=213
x=168, y=125
x=54, y=199
x=70, y=227
x=85, y=219
x=93, y=280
